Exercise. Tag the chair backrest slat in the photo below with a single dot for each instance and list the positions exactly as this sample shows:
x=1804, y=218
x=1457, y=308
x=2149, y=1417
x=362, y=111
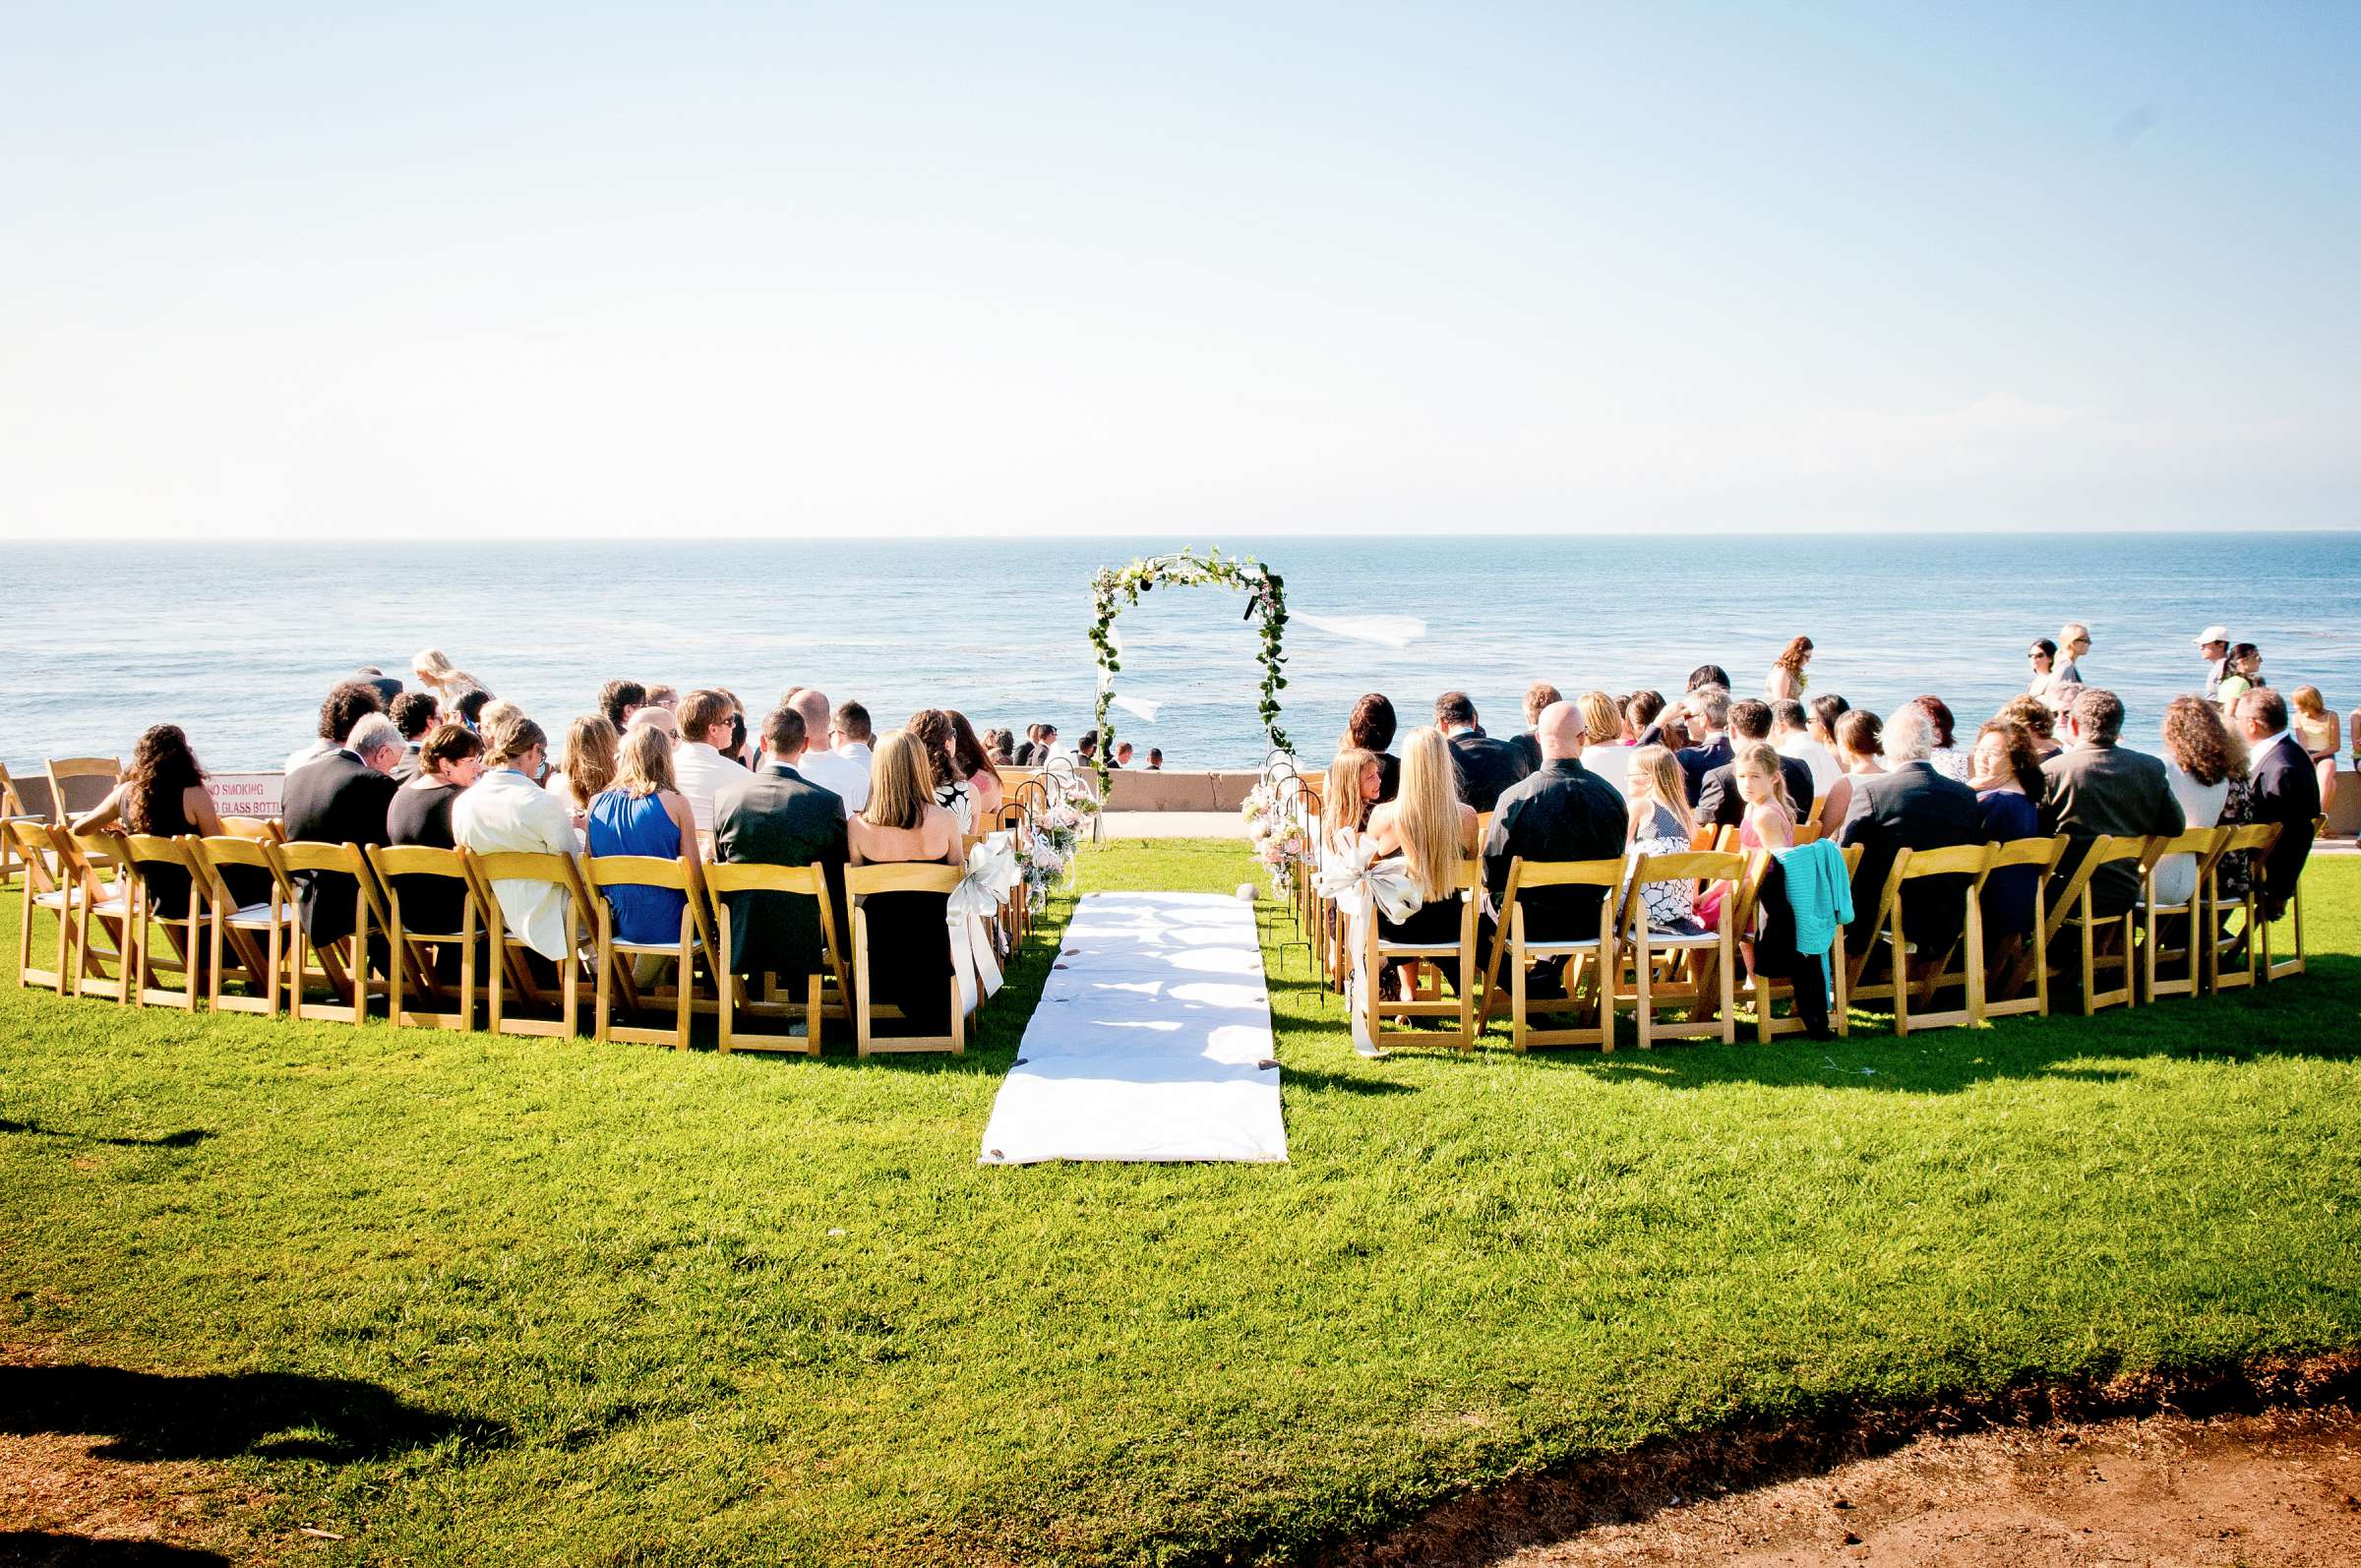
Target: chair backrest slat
x=636, y=870
x=1570, y=874
x=921, y=878
x=1958, y=859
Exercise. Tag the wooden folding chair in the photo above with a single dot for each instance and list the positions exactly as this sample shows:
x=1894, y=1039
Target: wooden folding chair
x=1683, y=978
x=12, y=809
x=2095, y=933
x=344, y=979
x=78, y=784
x=1572, y=958
x=1424, y=978
x=827, y=990
x=257, y=828
x=142, y=853
x=2017, y=975
x=616, y=959
x=1974, y=862
x=1765, y=992
x=2282, y=968
x=95, y=859
x=412, y=967
x=510, y=963
x=2255, y=841
x=859, y=882
x=2205, y=845
x=51, y=885
x=260, y=934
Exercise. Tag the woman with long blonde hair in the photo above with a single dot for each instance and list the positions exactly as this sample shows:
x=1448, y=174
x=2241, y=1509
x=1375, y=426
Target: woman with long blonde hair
x=590, y=750
x=1355, y=781
x=909, y=939
x=434, y=671
x=1432, y=829
x=641, y=811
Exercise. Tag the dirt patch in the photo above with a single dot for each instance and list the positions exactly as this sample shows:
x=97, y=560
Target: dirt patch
x=2164, y=1492
x=2016, y=1477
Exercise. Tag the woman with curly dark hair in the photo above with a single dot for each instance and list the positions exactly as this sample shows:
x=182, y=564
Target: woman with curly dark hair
x=162, y=794
x=2205, y=764
x=972, y=762
x=1786, y=680
x=2040, y=724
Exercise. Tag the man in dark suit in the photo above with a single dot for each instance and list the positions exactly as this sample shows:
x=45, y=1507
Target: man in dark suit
x=2286, y=791
x=1538, y=697
x=341, y=799
x=775, y=816
x=1913, y=806
x=1707, y=710
x=1719, y=800
x=1564, y=813
x=2097, y=787
x=1484, y=766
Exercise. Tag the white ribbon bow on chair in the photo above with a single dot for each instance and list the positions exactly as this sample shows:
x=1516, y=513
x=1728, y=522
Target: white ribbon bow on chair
x=1359, y=883
x=969, y=911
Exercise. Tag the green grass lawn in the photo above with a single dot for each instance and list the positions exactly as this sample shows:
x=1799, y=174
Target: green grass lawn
x=540, y=1301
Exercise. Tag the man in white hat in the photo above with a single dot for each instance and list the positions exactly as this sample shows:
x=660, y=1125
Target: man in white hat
x=2214, y=646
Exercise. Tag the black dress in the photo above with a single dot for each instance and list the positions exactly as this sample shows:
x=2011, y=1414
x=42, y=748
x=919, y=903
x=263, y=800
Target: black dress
x=167, y=885
x=910, y=960
x=422, y=817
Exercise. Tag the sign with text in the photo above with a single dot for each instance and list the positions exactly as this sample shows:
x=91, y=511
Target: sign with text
x=245, y=794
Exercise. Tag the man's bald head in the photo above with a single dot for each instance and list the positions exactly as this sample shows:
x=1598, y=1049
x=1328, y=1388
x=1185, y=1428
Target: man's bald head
x=1562, y=731
x=812, y=704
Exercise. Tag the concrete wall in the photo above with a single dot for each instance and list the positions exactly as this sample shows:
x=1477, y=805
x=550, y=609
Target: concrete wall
x=1135, y=789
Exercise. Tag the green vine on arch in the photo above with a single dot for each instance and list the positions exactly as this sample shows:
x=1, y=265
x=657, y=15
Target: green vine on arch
x=1116, y=591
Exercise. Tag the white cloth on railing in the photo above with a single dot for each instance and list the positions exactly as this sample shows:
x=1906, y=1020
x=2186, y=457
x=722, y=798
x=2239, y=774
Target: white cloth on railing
x=972, y=910
x=1363, y=886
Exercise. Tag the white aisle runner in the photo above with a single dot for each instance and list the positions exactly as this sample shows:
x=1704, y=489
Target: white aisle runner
x=1152, y=1040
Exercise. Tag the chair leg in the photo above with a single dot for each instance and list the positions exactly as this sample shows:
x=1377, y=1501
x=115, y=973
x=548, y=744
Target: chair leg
x=812, y=993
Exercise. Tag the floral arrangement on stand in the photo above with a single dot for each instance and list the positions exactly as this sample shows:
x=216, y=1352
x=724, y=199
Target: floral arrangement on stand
x=1114, y=589
x=1280, y=844
x=1045, y=858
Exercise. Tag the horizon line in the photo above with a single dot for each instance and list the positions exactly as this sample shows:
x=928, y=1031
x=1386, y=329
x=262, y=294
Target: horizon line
x=1007, y=535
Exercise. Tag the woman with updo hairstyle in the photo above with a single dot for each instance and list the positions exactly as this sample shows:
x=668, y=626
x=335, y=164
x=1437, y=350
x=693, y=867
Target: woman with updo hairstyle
x=1371, y=728
x=1945, y=756
x=2041, y=725
x=1861, y=737
x=2008, y=784
x=1605, y=750
x=909, y=936
x=163, y=795
x=938, y=741
x=971, y=761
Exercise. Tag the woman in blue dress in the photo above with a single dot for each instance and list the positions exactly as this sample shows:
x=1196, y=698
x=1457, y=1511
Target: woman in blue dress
x=643, y=813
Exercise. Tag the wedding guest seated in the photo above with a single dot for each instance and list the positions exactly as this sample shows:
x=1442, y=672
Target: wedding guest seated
x=414, y=714
x=1432, y=829
x=388, y=688
x=843, y=772
x=698, y=768
x=1791, y=736
x=775, y=816
x=1707, y=710
x=2315, y=730
x=590, y=747
x=1947, y=758
x=1767, y=822
x=2204, y=764
x=1659, y=821
x=1538, y=697
x=162, y=793
x=2041, y=725
x=739, y=749
x=508, y=810
x=1155, y=760
x=495, y=713
x=1709, y=674
x=450, y=760
x=1605, y=751
x=1642, y=712
x=341, y=799
x=1562, y=813
x=997, y=747
x=2097, y=787
x=1859, y=735
x=1826, y=710
x=661, y=720
x=2286, y=791
x=619, y=700
x=348, y=705
x=1349, y=795
x=2061, y=698
x=1719, y=800
x=939, y=739
x=641, y=813
x=469, y=706
x=1911, y=806
x=1371, y=728
x=970, y=761
x=662, y=696
x=909, y=939
x=2008, y=785
x=1483, y=766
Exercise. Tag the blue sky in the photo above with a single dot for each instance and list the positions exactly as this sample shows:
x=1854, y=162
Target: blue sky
x=712, y=270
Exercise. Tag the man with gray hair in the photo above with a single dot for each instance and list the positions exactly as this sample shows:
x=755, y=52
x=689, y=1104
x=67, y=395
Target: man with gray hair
x=2097, y=787
x=1707, y=707
x=341, y=799
x=830, y=770
x=1909, y=806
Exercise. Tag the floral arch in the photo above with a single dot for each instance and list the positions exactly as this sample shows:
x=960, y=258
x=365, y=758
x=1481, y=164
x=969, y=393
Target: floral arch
x=1116, y=591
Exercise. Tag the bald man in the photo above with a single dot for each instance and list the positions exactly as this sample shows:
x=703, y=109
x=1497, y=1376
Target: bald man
x=830, y=770
x=1564, y=813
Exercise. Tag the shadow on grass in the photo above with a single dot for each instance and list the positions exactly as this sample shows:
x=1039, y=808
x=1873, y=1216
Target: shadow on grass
x=150, y=1416
x=42, y=1548
x=185, y=1138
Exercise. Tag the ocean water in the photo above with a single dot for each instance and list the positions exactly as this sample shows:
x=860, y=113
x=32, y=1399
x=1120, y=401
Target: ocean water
x=238, y=646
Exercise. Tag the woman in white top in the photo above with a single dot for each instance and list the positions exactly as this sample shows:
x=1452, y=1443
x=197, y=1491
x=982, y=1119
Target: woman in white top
x=2202, y=760
x=508, y=810
x=1605, y=751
